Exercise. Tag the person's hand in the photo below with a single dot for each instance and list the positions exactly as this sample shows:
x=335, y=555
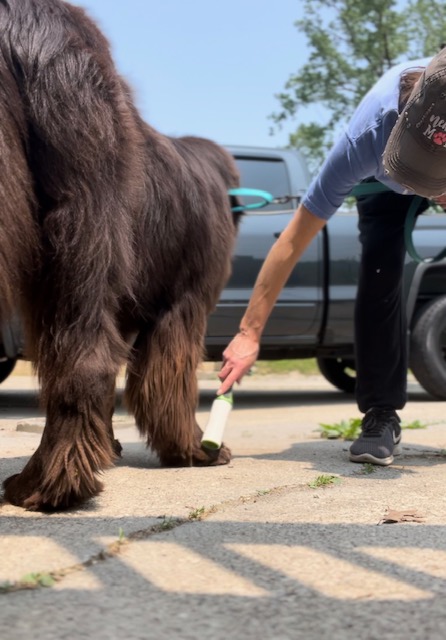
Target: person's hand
x=238, y=358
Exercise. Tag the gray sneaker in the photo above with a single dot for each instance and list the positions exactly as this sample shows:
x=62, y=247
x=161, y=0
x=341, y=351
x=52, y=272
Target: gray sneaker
x=380, y=437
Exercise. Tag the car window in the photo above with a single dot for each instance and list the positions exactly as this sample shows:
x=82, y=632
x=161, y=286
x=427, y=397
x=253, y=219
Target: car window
x=267, y=174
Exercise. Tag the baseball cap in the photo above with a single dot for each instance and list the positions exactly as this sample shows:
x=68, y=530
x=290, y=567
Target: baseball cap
x=415, y=153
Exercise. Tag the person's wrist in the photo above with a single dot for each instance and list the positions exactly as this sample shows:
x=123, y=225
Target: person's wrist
x=249, y=332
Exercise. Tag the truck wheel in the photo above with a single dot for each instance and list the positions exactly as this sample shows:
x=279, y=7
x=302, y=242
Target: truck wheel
x=6, y=367
x=428, y=348
x=336, y=371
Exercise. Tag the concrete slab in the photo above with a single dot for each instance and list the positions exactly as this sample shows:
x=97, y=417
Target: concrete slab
x=249, y=550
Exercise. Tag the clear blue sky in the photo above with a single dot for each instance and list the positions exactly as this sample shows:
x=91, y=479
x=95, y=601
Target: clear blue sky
x=206, y=67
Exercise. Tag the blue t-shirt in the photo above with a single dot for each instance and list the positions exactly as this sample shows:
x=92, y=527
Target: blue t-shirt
x=358, y=152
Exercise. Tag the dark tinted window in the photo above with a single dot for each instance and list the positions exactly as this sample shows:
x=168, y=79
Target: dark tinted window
x=267, y=174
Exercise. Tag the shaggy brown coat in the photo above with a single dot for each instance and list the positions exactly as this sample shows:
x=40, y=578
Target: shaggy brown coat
x=115, y=243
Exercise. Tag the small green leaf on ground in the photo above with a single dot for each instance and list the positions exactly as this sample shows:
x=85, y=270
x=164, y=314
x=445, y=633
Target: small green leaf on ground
x=351, y=428
x=38, y=580
x=121, y=537
x=324, y=481
x=197, y=514
x=346, y=429
x=415, y=424
x=168, y=523
x=367, y=468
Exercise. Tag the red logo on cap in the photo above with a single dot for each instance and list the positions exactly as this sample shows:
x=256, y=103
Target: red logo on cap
x=439, y=138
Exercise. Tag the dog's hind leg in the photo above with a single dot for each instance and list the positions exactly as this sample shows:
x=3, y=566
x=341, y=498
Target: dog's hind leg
x=75, y=447
x=77, y=442
x=162, y=389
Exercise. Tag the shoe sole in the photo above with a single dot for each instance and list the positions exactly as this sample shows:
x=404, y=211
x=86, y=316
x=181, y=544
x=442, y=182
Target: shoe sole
x=368, y=457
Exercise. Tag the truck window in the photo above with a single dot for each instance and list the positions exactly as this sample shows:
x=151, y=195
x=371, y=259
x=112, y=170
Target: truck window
x=268, y=174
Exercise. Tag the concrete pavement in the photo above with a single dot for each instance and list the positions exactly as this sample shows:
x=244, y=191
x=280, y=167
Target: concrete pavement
x=251, y=550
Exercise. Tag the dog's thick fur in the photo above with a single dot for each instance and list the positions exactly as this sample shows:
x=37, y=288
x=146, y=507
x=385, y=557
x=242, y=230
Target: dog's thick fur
x=115, y=243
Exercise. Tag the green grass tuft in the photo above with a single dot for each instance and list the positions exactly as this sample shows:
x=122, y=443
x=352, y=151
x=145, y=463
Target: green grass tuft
x=307, y=367
x=197, y=514
x=38, y=580
x=350, y=429
x=346, y=429
x=324, y=481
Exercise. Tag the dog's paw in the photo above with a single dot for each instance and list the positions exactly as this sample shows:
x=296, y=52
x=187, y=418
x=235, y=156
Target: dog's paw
x=13, y=492
x=21, y=493
x=200, y=457
x=204, y=457
x=21, y=490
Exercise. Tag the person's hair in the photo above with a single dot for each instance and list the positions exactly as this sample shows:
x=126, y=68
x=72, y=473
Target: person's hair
x=407, y=83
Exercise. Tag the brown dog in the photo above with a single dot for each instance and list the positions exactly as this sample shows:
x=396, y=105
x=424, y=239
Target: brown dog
x=115, y=243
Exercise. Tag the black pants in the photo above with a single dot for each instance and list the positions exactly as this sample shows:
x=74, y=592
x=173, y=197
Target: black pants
x=380, y=315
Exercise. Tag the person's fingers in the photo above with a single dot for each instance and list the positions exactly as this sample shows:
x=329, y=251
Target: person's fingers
x=238, y=358
x=226, y=368
x=230, y=369
x=230, y=373
x=228, y=382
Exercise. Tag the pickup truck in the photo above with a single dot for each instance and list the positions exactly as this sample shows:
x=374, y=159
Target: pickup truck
x=313, y=316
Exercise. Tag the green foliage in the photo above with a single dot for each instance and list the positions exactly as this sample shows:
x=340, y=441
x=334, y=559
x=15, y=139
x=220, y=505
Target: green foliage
x=168, y=523
x=415, y=424
x=426, y=26
x=311, y=139
x=350, y=429
x=121, y=536
x=197, y=514
x=346, y=429
x=351, y=44
x=306, y=366
x=324, y=481
x=38, y=580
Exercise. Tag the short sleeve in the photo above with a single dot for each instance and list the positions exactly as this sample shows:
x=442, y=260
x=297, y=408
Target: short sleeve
x=347, y=163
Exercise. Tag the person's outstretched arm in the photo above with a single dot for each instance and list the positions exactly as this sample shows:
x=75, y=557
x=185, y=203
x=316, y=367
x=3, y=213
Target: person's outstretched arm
x=242, y=351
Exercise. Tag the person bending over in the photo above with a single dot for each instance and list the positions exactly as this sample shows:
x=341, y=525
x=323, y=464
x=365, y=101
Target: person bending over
x=397, y=136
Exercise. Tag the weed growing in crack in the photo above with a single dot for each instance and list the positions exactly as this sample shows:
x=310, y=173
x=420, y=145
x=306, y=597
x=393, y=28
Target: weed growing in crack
x=197, y=514
x=350, y=429
x=324, y=480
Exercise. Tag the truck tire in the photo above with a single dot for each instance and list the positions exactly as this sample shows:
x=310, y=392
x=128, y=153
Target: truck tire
x=6, y=367
x=428, y=347
x=335, y=371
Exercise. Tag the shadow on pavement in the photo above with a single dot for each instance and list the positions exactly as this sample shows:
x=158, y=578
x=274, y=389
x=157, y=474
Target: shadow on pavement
x=261, y=580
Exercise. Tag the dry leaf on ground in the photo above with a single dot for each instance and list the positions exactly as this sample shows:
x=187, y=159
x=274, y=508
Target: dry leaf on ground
x=408, y=515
